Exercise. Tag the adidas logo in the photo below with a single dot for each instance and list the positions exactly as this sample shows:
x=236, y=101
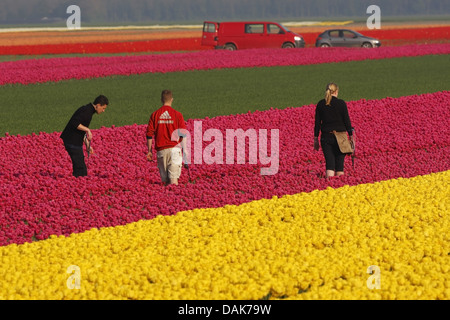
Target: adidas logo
x=165, y=115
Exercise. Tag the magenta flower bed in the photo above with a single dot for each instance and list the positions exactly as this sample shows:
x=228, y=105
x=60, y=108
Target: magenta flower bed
x=57, y=69
x=401, y=137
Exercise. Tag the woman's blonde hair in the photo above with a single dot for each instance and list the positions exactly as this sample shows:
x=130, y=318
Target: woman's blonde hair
x=331, y=89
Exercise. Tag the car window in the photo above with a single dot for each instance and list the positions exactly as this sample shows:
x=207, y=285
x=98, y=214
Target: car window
x=209, y=27
x=274, y=29
x=254, y=28
x=334, y=34
x=348, y=34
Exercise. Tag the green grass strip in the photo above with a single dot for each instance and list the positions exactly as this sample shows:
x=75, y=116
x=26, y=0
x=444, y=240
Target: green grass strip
x=197, y=94
x=6, y=58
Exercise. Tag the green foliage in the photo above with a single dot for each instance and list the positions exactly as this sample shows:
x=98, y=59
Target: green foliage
x=198, y=94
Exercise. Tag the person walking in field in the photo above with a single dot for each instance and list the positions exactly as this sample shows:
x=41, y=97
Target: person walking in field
x=162, y=125
x=332, y=115
x=77, y=131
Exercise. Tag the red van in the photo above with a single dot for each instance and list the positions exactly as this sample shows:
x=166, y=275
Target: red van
x=246, y=35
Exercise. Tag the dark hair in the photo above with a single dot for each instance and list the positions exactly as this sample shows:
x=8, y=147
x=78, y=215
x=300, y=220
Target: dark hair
x=166, y=95
x=102, y=100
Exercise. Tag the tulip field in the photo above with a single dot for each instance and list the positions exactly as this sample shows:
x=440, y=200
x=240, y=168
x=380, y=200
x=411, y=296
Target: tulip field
x=57, y=69
x=228, y=232
x=126, y=42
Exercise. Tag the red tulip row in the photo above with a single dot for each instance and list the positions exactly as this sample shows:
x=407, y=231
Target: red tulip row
x=159, y=45
x=57, y=69
x=396, y=137
x=435, y=33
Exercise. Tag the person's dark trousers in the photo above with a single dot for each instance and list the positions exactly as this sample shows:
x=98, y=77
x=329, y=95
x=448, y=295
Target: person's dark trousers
x=77, y=156
x=334, y=158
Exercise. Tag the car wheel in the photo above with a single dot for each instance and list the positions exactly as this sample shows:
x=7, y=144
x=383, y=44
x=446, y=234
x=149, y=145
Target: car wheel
x=367, y=45
x=287, y=45
x=230, y=46
x=324, y=45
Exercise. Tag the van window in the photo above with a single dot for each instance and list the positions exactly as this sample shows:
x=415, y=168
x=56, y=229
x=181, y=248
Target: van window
x=209, y=27
x=274, y=29
x=254, y=28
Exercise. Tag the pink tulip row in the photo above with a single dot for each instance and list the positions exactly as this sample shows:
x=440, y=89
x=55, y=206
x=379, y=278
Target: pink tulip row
x=396, y=137
x=57, y=69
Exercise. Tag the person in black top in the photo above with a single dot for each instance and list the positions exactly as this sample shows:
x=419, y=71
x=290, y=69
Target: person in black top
x=77, y=131
x=331, y=114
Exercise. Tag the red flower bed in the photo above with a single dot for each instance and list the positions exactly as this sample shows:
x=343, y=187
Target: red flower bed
x=436, y=33
x=181, y=44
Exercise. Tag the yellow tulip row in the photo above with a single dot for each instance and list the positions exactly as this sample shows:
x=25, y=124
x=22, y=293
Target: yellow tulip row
x=386, y=240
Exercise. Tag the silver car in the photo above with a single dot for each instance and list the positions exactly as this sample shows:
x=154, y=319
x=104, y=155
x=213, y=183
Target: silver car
x=345, y=38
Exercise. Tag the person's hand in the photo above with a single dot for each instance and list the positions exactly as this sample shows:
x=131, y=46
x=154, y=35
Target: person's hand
x=185, y=154
x=185, y=157
x=150, y=156
x=316, y=144
x=91, y=150
x=89, y=135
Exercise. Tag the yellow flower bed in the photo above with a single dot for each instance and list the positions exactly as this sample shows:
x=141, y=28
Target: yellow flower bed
x=316, y=245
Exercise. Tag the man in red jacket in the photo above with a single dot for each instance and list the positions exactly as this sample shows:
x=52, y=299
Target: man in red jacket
x=162, y=125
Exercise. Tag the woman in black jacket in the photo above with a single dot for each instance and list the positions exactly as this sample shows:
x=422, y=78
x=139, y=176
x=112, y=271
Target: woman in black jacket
x=331, y=114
